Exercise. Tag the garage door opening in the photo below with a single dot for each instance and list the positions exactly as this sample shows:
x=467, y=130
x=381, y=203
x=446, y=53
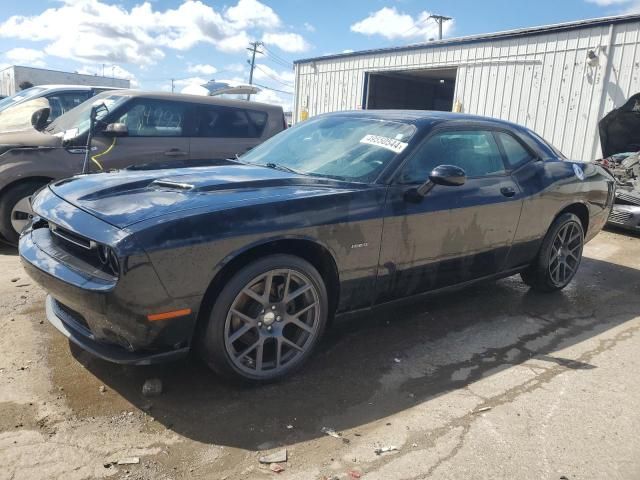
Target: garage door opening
x=430, y=89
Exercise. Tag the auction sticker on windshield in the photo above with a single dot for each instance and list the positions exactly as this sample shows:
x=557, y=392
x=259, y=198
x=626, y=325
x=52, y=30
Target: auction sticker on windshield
x=385, y=142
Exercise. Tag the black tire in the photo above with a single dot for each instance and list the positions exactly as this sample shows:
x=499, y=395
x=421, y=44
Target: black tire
x=9, y=200
x=216, y=345
x=545, y=274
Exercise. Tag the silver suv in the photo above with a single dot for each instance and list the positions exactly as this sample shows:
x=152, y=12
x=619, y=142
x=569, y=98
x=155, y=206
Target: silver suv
x=132, y=128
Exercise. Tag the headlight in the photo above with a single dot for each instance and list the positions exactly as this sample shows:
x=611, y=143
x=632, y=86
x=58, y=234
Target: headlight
x=108, y=259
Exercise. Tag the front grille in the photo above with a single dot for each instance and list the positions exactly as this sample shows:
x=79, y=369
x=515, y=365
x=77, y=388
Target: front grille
x=71, y=237
x=628, y=199
x=617, y=216
x=72, y=318
x=77, y=251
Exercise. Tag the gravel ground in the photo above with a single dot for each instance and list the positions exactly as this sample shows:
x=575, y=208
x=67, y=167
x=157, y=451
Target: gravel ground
x=491, y=382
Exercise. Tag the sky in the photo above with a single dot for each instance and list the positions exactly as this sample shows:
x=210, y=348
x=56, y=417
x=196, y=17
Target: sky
x=192, y=41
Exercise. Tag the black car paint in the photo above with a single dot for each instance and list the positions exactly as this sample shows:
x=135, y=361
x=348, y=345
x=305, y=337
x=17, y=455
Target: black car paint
x=175, y=232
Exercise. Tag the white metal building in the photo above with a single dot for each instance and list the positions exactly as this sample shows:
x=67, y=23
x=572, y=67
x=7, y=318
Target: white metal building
x=12, y=77
x=559, y=80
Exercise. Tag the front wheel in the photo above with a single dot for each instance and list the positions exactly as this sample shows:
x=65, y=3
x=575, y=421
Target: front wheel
x=15, y=209
x=559, y=257
x=267, y=320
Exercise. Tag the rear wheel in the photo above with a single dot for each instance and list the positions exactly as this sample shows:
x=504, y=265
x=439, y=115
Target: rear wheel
x=559, y=256
x=15, y=209
x=267, y=320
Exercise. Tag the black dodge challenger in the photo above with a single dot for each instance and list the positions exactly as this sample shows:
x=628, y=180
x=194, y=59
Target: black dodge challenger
x=247, y=261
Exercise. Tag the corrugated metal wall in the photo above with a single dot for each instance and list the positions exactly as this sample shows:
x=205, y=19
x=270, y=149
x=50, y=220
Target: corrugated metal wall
x=541, y=81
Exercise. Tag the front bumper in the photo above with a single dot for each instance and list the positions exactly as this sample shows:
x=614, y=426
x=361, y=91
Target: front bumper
x=625, y=216
x=107, y=316
x=81, y=336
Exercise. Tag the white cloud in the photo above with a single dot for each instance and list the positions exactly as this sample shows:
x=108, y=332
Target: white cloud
x=251, y=13
x=192, y=86
x=203, y=69
x=26, y=56
x=392, y=24
x=111, y=70
x=274, y=98
x=606, y=3
x=629, y=6
x=97, y=31
x=287, y=42
x=308, y=27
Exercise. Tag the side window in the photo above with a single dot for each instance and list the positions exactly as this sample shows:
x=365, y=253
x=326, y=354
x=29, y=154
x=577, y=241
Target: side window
x=475, y=151
x=63, y=102
x=227, y=122
x=515, y=153
x=150, y=118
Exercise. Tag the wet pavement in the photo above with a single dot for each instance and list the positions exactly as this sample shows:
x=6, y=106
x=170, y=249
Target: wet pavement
x=493, y=381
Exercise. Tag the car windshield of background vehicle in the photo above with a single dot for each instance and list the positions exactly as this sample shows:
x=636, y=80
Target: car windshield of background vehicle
x=340, y=147
x=20, y=96
x=78, y=118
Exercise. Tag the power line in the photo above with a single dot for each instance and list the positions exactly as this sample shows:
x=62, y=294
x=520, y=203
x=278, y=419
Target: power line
x=272, y=77
x=277, y=58
x=274, y=89
x=277, y=62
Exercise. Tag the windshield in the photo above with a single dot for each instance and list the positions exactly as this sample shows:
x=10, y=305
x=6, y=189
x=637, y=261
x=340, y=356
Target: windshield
x=79, y=116
x=335, y=146
x=20, y=96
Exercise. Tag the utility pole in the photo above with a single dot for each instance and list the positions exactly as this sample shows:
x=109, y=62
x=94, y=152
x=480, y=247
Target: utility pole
x=440, y=19
x=172, y=85
x=253, y=49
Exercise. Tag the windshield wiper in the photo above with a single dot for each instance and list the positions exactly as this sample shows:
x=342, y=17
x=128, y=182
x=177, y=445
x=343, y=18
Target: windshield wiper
x=282, y=168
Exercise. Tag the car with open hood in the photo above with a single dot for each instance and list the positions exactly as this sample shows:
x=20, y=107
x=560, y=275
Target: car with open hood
x=248, y=262
x=132, y=128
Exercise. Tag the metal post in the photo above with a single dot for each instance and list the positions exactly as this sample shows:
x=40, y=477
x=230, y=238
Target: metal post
x=172, y=85
x=440, y=19
x=253, y=50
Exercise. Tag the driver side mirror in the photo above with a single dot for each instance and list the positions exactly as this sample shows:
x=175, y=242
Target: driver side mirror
x=116, y=130
x=39, y=118
x=445, y=175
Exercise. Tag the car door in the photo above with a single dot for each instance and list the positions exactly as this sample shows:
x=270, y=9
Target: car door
x=223, y=132
x=454, y=234
x=157, y=132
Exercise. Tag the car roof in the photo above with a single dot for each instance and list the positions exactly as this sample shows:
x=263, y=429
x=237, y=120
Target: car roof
x=77, y=87
x=201, y=99
x=425, y=118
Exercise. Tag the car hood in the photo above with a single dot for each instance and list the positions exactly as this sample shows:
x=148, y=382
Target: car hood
x=125, y=198
x=17, y=117
x=29, y=137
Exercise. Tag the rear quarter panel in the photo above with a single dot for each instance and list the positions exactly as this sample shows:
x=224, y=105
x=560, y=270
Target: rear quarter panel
x=549, y=187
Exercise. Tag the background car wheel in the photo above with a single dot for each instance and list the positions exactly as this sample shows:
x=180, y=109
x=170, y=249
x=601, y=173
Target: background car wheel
x=559, y=256
x=15, y=209
x=266, y=321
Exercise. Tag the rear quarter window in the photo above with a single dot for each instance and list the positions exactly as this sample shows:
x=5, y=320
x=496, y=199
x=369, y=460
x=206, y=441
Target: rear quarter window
x=228, y=122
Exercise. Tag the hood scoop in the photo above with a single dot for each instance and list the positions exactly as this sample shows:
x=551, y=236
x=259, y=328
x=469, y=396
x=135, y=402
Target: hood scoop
x=168, y=184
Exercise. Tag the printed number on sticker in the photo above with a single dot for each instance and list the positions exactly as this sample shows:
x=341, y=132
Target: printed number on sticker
x=385, y=142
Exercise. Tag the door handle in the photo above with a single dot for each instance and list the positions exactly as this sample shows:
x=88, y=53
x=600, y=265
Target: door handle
x=508, y=191
x=174, y=152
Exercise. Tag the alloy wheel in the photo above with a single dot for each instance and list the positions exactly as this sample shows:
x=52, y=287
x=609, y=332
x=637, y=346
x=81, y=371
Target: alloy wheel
x=21, y=213
x=272, y=322
x=566, y=252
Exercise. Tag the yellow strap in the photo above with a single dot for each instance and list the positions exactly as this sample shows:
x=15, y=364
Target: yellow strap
x=94, y=158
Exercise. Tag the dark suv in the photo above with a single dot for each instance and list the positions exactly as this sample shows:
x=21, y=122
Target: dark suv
x=148, y=130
